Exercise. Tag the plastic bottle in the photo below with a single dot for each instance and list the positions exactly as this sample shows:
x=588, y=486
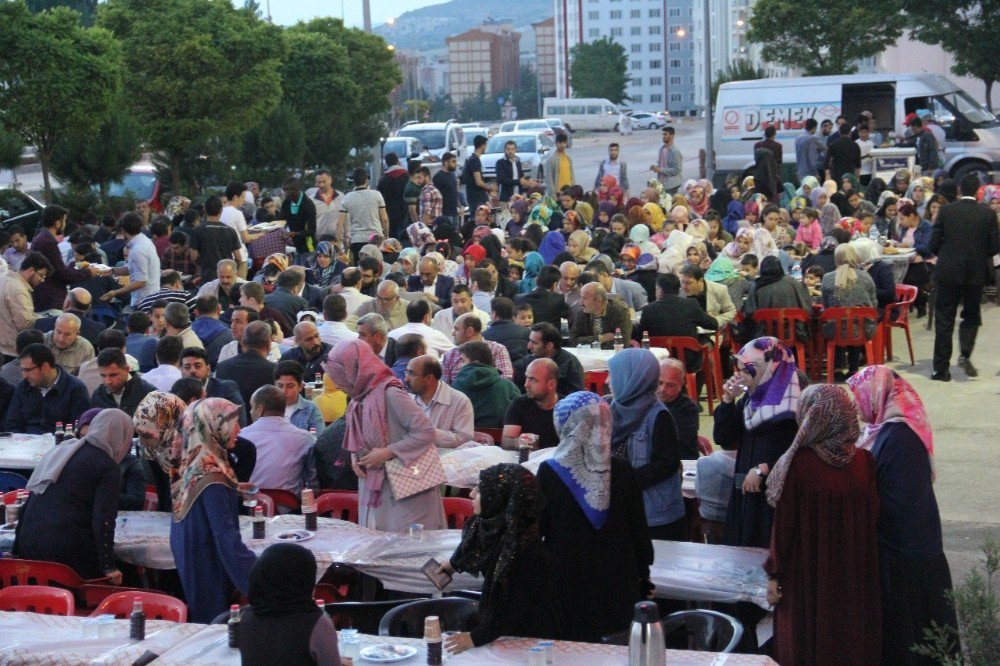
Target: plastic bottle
x=234, y=626
x=797, y=271
x=258, y=522
x=873, y=232
x=60, y=432
x=432, y=637
x=645, y=340
x=309, y=509
x=20, y=501
x=619, y=340
x=318, y=384
x=137, y=622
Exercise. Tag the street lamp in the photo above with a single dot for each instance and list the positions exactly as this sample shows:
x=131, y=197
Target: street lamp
x=680, y=32
x=709, y=154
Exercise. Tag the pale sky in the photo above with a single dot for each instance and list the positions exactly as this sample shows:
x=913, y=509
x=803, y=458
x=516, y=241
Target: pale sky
x=287, y=12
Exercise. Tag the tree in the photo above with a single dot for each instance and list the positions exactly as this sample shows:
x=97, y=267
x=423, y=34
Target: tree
x=824, y=36
x=967, y=29
x=599, y=69
x=100, y=157
x=11, y=149
x=740, y=70
x=86, y=8
x=479, y=107
x=442, y=108
x=197, y=71
x=525, y=97
x=55, y=76
x=275, y=145
x=338, y=82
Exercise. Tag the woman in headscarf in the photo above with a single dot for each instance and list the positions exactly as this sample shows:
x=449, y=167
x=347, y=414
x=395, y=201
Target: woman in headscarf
x=73, y=502
x=605, y=211
x=610, y=192
x=757, y=415
x=578, y=245
x=653, y=217
x=639, y=234
x=594, y=517
x=740, y=245
x=156, y=420
x=420, y=235
x=382, y=424
x=763, y=244
x=553, y=243
x=808, y=184
x=282, y=624
x=829, y=215
x=819, y=198
x=875, y=189
x=848, y=286
x=870, y=259
x=533, y=263
x=644, y=433
x=697, y=255
x=471, y=256
x=674, y=251
x=519, y=212
x=503, y=543
x=205, y=532
x=325, y=268
x=407, y=262
x=766, y=174
x=825, y=592
x=698, y=198
x=774, y=289
x=787, y=195
x=734, y=213
x=913, y=569
x=723, y=271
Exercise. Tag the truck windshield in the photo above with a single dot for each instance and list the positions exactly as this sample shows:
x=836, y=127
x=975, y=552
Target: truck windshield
x=431, y=138
x=958, y=104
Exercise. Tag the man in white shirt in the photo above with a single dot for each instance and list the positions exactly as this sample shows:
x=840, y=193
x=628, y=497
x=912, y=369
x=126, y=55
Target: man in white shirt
x=168, y=359
x=418, y=317
x=866, y=145
x=449, y=411
x=333, y=329
x=483, y=289
x=461, y=303
x=232, y=217
x=349, y=281
x=285, y=457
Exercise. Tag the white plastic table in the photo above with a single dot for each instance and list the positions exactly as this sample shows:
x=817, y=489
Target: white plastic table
x=23, y=451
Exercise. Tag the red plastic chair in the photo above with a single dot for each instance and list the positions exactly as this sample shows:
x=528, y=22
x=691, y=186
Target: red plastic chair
x=155, y=606
x=595, y=381
x=37, y=599
x=849, y=332
x=340, y=504
x=677, y=345
x=266, y=503
x=284, y=501
x=457, y=510
x=704, y=445
x=495, y=433
x=15, y=572
x=780, y=323
x=897, y=315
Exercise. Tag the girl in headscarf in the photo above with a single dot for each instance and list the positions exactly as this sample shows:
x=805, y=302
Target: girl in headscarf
x=829, y=215
x=282, y=624
x=914, y=572
x=325, y=268
x=640, y=236
x=653, y=217
x=571, y=223
x=594, y=518
x=503, y=543
x=674, y=251
x=519, y=211
x=605, y=211
x=73, y=502
x=205, y=532
x=697, y=255
x=826, y=596
x=734, y=213
x=609, y=192
x=578, y=245
x=156, y=420
x=751, y=212
x=757, y=417
x=629, y=257
x=763, y=244
x=553, y=243
x=740, y=245
x=808, y=184
x=471, y=256
x=819, y=198
x=698, y=199
x=644, y=433
x=382, y=423
x=533, y=263
x=723, y=271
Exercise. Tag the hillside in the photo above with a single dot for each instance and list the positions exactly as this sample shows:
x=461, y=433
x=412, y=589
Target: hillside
x=426, y=28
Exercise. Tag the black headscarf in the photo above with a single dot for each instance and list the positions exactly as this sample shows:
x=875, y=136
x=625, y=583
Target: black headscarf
x=494, y=251
x=770, y=272
x=875, y=189
x=282, y=581
x=612, y=245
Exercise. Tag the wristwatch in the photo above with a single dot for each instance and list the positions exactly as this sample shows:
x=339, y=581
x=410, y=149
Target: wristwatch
x=759, y=473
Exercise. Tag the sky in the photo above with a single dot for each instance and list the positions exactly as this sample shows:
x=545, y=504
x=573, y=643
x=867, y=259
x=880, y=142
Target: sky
x=288, y=12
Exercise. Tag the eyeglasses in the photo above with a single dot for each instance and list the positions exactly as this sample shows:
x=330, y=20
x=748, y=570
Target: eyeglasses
x=382, y=299
x=25, y=370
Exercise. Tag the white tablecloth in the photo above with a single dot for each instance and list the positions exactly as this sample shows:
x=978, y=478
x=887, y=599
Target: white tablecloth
x=210, y=648
x=899, y=263
x=596, y=360
x=703, y=572
x=22, y=451
x=33, y=639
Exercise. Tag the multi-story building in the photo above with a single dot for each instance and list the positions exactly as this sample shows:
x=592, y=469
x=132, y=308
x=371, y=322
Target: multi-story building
x=545, y=58
x=487, y=55
x=657, y=37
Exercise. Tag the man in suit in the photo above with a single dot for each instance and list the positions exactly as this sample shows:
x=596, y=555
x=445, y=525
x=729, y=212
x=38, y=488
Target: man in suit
x=548, y=305
x=559, y=167
x=964, y=238
x=712, y=297
x=373, y=330
x=430, y=282
x=510, y=173
x=502, y=329
x=250, y=369
x=674, y=315
x=194, y=365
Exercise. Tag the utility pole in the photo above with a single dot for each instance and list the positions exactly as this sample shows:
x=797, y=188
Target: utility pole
x=367, y=9
x=709, y=139
x=376, y=164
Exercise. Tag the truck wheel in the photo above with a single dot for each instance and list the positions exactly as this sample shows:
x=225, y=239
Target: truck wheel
x=980, y=168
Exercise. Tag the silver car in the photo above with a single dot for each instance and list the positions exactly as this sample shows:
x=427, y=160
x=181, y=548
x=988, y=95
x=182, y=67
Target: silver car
x=532, y=149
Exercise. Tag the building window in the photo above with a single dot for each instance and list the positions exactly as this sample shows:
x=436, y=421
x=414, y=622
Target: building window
x=675, y=12
x=654, y=30
x=675, y=63
x=635, y=13
x=654, y=13
x=616, y=14
x=655, y=64
x=656, y=80
x=637, y=99
x=593, y=16
x=635, y=82
x=692, y=97
x=635, y=64
x=594, y=32
x=675, y=80
x=654, y=47
x=655, y=98
x=675, y=97
x=675, y=46
x=635, y=30
x=637, y=48
x=616, y=32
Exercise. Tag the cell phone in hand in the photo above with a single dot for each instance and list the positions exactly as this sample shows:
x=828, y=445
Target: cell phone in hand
x=430, y=569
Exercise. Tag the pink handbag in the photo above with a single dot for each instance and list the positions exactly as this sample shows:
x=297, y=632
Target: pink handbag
x=424, y=473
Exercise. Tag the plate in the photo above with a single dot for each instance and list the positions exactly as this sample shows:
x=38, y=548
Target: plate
x=295, y=535
x=387, y=654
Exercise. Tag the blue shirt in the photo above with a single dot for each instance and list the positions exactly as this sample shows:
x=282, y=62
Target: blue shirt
x=285, y=457
x=143, y=266
x=143, y=348
x=306, y=416
x=31, y=412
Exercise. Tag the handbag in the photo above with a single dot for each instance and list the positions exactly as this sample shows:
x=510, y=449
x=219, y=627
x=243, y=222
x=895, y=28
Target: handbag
x=422, y=474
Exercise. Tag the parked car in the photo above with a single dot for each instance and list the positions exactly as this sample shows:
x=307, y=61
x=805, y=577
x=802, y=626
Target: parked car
x=647, y=120
x=20, y=209
x=141, y=183
x=532, y=149
x=559, y=127
x=531, y=125
x=437, y=139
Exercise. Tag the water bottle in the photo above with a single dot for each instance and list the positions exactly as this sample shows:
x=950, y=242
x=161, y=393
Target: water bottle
x=619, y=340
x=645, y=340
x=873, y=232
x=645, y=643
x=234, y=626
x=137, y=622
x=797, y=271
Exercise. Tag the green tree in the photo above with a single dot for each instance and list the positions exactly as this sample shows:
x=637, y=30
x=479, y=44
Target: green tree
x=338, y=81
x=442, y=108
x=55, y=76
x=599, y=69
x=11, y=148
x=525, y=97
x=197, y=71
x=967, y=29
x=86, y=8
x=824, y=36
x=99, y=157
x=740, y=70
x=274, y=146
x=479, y=107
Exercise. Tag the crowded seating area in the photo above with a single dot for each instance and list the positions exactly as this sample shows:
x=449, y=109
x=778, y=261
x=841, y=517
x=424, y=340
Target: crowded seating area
x=350, y=426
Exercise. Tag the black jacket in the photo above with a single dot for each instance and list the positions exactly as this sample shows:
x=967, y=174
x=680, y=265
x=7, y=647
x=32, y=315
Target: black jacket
x=511, y=336
x=249, y=370
x=135, y=390
x=313, y=367
x=676, y=316
x=286, y=303
x=31, y=412
x=547, y=305
x=843, y=156
x=391, y=186
x=509, y=184
x=965, y=238
x=302, y=222
x=442, y=288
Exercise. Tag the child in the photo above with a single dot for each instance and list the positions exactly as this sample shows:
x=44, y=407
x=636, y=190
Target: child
x=524, y=315
x=619, y=224
x=749, y=266
x=812, y=279
x=809, y=231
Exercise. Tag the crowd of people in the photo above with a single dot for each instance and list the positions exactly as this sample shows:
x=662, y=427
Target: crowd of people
x=382, y=324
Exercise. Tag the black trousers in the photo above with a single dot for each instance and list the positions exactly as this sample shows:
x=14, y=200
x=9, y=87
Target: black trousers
x=947, y=299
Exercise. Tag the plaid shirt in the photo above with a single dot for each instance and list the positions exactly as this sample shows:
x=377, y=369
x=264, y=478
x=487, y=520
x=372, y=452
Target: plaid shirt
x=180, y=262
x=270, y=243
x=431, y=203
x=501, y=359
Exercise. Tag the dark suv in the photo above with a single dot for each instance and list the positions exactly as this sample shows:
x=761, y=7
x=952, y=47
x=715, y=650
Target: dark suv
x=18, y=208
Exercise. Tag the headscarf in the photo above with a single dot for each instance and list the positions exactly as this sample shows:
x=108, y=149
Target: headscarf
x=752, y=208
x=522, y=208
x=110, y=431
x=608, y=209
x=631, y=250
x=868, y=251
x=732, y=250
x=323, y=276
x=479, y=233
x=511, y=501
x=722, y=270
x=540, y=214
x=850, y=224
x=774, y=381
x=354, y=367
x=770, y=272
x=282, y=581
x=787, y=195
x=797, y=202
x=158, y=416
x=846, y=274
x=811, y=182
x=633, y=202
x=477, y=252
x=698, y=199
x=410, y=256
x=828, y=424
x=639, y=234
x=829, y=215
x=634, y=374
x=582, y=239
x=583, y=457
x=674, y=251
x=828, y=244
x=208, y=428
x=87, y=417
x=853, y=180
x=697, y=228
x=885, y=397
x=533, y=264
x=734, y=213
x=763, y=244
x=831, y=187
x=586, y=213
x=653, y=216
x=816, y=194
x=553, y=243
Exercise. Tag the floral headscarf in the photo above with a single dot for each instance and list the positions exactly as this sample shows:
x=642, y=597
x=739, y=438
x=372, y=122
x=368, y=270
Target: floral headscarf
x=583, y=457
x=177, y=206
x=540, y=214
x=773, y=388
x=732, y=250
x=763, y=244
x=885, y=397
x=419, y=234
x=158, y=417
x=208, y=428
x=828, y=424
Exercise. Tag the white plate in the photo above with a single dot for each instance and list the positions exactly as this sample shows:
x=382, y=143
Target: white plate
x=387, y=654
x=294, y=536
